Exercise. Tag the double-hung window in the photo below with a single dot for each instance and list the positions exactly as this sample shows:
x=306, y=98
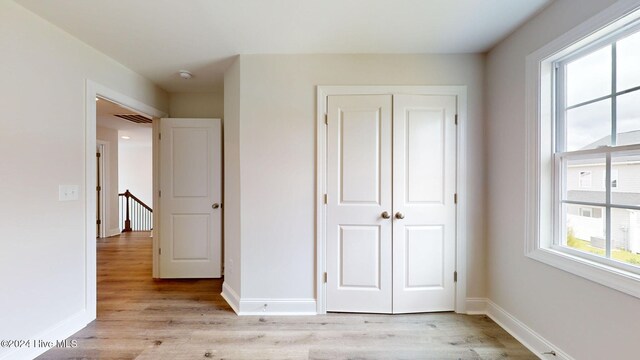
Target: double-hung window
x=597, y=123
x=583, y=188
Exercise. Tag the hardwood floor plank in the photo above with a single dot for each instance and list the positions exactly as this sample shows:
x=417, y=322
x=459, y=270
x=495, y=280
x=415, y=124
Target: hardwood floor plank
x=139, y=317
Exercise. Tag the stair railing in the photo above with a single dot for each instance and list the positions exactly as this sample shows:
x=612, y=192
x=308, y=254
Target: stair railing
x=137, y=215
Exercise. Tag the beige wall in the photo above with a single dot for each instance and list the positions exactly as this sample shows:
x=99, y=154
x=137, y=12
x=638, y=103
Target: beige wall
x=581, y=317
x=277, y=132
x=42, y=145
x=196, y=105
x=112, y=226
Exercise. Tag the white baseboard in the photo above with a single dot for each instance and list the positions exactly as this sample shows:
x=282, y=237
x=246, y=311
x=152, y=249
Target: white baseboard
x=255, y=306
x=58, y=332
x=529, y=338
x=231, y=297
x=476, y=306
x=113, y=232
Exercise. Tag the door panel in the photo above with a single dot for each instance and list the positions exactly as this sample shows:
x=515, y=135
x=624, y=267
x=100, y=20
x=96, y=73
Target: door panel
x=190, y=182
x=359, y=257
x=359, y=156
x=424, y=155
x=424, y=265
x=424, y=163
x=198, y=245
x=359, y=188
x=191, y=161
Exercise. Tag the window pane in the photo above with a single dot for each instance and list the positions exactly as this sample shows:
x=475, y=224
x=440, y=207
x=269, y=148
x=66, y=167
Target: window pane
x=589, y=77
x=628, y=56
x=625, y=172
x=625, y=236
x=589, y=126
x=628, y=124
x=585, y=228
x=585, y=180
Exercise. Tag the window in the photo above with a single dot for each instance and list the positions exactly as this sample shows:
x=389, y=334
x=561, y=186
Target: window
x=583, y=150
x=584, y=179
x=614, y=179
x=586, y=212
x=597, y=127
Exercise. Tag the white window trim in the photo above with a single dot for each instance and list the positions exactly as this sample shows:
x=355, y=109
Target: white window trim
x=539, y=170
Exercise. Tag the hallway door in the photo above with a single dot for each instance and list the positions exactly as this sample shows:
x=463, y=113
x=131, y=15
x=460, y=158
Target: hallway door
x=190, y=198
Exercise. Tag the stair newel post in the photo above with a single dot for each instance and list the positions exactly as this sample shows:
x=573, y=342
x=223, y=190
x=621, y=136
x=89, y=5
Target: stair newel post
x=127, y=221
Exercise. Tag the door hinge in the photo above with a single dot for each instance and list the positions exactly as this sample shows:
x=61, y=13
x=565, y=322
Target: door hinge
x=326, y=119
x=98, y=188
x=455, y=198
x=325, y=277
x=159, y=251
x=455, y=276
x=456, y=119
x=98, y=222
x=325, y=198
x=159, y=136
x=98, y=155
x=159, y=193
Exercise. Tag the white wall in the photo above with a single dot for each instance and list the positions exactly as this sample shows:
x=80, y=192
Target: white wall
x=111, y=184
x=585, y=319
x=232, y=196
x=196, y=105
x=42, y=145
x=135, y=171
x=277, y=129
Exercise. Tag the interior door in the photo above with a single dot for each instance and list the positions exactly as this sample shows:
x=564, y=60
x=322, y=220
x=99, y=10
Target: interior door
x=424, y=179
x=359, y=192
x=391, y=214
x=190, y=185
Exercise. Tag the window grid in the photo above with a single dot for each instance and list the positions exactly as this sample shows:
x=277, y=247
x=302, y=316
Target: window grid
x=562, y=155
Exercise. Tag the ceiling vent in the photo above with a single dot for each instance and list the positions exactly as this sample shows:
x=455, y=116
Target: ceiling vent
x=138, y=119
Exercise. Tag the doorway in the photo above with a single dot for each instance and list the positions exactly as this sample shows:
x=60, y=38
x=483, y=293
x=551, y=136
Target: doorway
x=94, y=93
x=389, y=161
x=124, y=169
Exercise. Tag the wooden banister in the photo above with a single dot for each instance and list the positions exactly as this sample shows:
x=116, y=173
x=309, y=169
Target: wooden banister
x=131, y=207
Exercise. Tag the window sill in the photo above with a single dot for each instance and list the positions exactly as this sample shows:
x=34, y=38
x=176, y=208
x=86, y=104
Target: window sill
x=624, y=281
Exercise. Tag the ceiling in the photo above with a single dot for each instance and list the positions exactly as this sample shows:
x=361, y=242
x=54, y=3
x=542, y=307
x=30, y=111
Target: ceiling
x=156, y=38
x=139, y=134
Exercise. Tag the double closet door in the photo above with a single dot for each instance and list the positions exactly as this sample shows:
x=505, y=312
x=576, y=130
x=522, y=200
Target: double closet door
x=391, y=214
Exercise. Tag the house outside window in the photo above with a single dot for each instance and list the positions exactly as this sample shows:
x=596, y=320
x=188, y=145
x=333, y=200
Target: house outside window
x=584, y=179
x=583, y=199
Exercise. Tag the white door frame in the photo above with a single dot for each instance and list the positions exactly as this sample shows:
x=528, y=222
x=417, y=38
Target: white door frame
x=461, y=179
x=94, y=90
x=104, y=180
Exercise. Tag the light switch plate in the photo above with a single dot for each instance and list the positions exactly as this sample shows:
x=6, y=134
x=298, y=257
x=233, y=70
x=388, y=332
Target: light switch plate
x=68, y=192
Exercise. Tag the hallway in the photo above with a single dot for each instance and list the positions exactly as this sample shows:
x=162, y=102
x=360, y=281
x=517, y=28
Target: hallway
x=139, y=317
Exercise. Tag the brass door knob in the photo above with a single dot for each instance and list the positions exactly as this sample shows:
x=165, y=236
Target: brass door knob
x=215, y=206
x=399, y=216
x=385, y=215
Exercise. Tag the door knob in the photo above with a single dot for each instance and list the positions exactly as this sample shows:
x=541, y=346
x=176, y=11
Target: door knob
x=399, y=215
x=385, y=215
x=215, y=206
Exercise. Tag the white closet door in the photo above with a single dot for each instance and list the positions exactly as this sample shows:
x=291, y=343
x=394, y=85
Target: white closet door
x=190, y=182
x=424, y=178
x=359, y=189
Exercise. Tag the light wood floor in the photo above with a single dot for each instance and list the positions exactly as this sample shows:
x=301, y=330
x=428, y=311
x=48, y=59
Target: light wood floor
x=139, y=317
